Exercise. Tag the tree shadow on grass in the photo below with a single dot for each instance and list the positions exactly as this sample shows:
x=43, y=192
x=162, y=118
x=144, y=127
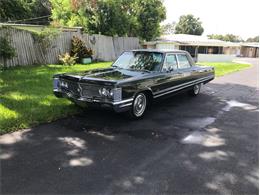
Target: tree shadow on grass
x=183, y=145
x=30, y=111
x=27, y=99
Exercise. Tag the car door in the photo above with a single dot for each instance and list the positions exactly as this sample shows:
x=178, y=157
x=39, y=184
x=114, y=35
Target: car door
x=184, y=68
x=170, y=76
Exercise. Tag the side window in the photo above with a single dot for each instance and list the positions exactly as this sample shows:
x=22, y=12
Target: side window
x=183, y=61
x=170, y=62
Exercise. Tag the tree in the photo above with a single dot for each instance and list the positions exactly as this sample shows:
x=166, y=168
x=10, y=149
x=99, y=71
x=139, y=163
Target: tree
x=69, y=13
x=150, y=14
x=126, y=18
x=168, y=28
x=12, y=10
x=111, y=17
x=253, y=39
x=40, y=8
x=24, y=10
x=188, y=24
x=227, y=37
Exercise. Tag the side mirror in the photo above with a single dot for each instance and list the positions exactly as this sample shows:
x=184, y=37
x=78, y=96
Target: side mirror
x=170, y=69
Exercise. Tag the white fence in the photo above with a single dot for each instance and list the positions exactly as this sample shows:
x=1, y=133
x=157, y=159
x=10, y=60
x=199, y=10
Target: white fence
x=29, y=52
x=215, y=58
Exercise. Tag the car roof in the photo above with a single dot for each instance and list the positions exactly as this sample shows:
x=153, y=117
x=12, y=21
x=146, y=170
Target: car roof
x=161, y=50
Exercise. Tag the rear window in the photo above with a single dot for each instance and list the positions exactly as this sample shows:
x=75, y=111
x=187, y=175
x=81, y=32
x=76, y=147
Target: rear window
x=183, y=61
x=170, y=62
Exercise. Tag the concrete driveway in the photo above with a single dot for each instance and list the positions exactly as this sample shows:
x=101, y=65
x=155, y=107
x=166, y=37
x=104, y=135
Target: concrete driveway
x=202, y=145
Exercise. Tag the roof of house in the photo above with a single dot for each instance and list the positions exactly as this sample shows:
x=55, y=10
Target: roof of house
x=195, y=40
x=250, y=44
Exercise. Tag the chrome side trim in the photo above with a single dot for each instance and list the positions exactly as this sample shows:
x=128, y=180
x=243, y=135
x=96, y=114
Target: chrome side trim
x=125, y=105
x=183, y=84
x=56, y=90
x=171, y=91
x=123, y=101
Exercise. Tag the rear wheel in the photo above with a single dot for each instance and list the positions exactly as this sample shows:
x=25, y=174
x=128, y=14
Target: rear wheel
x=195, y=90
x=139, y=106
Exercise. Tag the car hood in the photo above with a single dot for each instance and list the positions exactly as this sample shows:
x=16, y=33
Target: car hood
x=108, y=74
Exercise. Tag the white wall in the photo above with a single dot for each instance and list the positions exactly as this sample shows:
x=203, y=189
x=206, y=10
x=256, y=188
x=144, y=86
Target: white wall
x=215, y=58
x=166, y=46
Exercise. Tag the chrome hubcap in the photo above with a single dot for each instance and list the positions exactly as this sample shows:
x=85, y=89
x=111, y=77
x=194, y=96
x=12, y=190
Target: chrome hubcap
x=196, y=89
x=139, y=105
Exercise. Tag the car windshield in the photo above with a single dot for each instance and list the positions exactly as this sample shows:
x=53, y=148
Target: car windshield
x=140, y=60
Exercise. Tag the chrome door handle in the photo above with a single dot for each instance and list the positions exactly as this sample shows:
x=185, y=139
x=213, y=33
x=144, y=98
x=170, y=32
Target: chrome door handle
x=179, y=73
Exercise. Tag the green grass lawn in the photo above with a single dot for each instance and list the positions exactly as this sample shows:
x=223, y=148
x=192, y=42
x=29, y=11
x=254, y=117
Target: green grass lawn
x=222, y=68
x=26, y=97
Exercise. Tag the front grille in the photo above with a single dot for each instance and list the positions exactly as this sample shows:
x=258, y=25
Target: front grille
x=90, y=90
x=72, y=88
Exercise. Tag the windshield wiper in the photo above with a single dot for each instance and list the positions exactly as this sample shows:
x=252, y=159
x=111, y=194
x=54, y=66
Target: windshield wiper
x=114, y=66
x=139, y=70
x=145, y=70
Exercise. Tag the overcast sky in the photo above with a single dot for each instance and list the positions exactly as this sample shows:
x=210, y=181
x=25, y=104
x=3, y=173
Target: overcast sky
x=219, y=16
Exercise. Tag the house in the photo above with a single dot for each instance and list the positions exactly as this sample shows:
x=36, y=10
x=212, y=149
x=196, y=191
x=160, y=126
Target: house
x=250, y=50
x=201, y=48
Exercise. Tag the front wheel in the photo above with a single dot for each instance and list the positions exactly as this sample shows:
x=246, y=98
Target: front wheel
x=195, y=90
x=139, y=106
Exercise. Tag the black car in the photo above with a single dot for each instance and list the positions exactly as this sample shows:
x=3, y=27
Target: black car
x=135, y=79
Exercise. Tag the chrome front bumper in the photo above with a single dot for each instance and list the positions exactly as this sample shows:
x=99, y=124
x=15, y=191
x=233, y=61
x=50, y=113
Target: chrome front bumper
x=119, y=106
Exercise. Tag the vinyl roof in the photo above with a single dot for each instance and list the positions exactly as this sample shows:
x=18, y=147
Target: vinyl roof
x=161, y=50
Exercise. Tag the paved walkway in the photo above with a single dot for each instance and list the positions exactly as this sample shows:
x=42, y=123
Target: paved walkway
x=241, y=85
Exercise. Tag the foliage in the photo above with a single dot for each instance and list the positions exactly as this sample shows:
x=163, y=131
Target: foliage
x=79, y=49
x=69, y=12
x=227, y=37
x=12, y=10
x=253, y=39
x=223, y=68
x=6, y=49
x=111, y=17
x=25, y=9
x=67, y=59
x=168, y=28
x=27, y=99
x=149, y=16
x=188, y=24
x=45, y=37
x=88, y=53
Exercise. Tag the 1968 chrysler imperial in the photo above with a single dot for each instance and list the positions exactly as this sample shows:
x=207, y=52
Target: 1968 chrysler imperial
x=134, y=80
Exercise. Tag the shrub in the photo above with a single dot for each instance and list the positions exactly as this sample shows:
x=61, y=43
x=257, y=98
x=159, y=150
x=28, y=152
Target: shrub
x=67, y=59
x=6, y=50
x=88, y=53
x=79, y=49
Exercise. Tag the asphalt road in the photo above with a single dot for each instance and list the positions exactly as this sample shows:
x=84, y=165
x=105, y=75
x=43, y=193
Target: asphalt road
x=184, y=145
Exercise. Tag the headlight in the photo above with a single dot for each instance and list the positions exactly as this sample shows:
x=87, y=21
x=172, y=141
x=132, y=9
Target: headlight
x=115, y=93
x=104, y=92
x=64, y=84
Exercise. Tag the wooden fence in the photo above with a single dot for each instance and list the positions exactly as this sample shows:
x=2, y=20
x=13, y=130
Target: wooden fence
x=31, y=52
